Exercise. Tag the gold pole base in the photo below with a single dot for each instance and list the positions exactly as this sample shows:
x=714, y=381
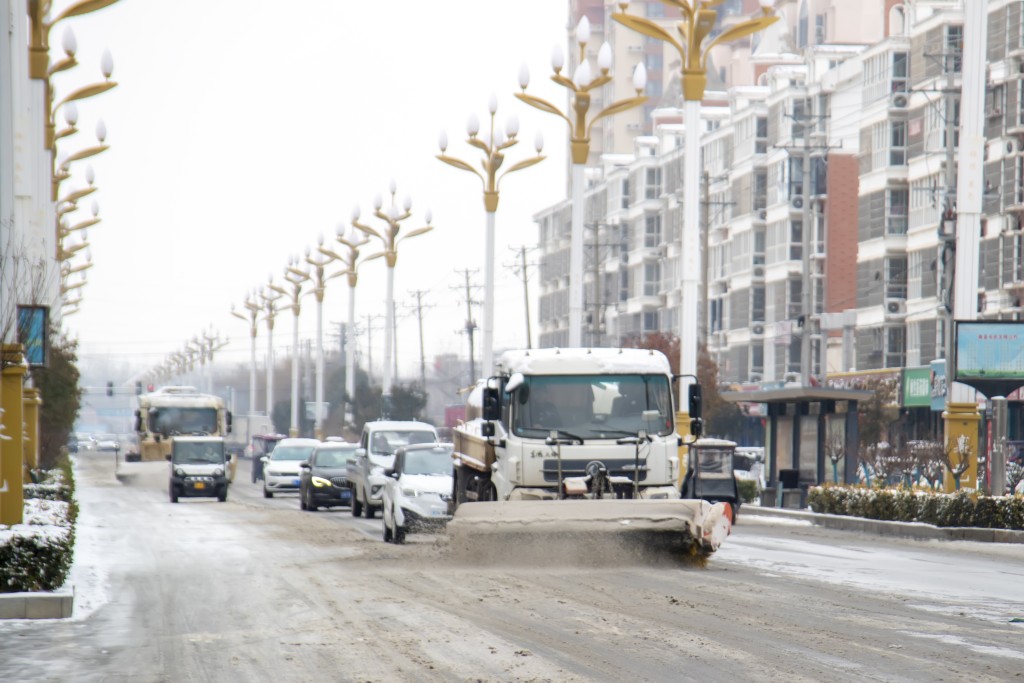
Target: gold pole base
x=580, y=150
x=694, y=83
x=962, y=419
x=490, y=201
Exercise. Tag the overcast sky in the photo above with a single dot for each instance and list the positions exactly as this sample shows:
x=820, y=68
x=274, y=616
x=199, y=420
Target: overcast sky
x=242, y=129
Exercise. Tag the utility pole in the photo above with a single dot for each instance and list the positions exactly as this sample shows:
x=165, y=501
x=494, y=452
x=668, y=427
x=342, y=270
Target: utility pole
x=419, y=315
x=470, y=324
x=524, y=275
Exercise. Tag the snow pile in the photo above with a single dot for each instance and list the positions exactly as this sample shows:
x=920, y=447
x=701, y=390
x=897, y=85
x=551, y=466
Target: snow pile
x=960, y=509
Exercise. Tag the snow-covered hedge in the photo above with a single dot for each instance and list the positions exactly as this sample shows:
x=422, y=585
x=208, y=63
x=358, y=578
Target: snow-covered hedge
x=964, y=508
x=36, y=555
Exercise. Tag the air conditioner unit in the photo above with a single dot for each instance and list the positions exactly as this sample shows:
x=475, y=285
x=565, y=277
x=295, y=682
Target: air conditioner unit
x=762, y=214
x=792, y=377
x=757, y=329
x=1011, y=147
x=756, y=377
x=994, y=112
x=895, y=307
x=797, y=202
x=758, y=271
x=633, y=126
x=899, y=100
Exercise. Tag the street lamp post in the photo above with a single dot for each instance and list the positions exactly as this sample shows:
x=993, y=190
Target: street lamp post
x=318, y=263
x=252, y=316
x=393, y=217
x=352, y=239
x=268, y=299
x=493, y=147
x=580, y=85
x=698, y=20
x=296, y=277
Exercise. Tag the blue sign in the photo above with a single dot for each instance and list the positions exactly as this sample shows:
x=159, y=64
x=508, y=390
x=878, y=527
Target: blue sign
x=938, y=384
x=33, y=329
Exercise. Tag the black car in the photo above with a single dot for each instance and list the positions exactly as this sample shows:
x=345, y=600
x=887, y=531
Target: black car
x=322, y=479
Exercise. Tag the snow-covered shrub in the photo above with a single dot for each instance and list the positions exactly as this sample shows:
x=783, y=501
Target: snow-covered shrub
x=963, y=508
x=36, y=555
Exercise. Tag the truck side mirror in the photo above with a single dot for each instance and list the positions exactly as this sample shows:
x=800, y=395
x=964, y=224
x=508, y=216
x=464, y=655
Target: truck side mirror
x=228, y=421
x=168, y=457
x=487, y=429
x=138, y=420
x=492, y=403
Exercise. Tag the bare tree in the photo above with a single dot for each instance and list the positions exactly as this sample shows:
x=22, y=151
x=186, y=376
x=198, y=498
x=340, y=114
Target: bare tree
x=904, y=461
x=931, y=461
x=958, y=457
x=27, y=276
x=1014, y=476
x=835, y=449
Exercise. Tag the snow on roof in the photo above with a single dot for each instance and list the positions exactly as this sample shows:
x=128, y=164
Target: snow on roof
x=584, y=362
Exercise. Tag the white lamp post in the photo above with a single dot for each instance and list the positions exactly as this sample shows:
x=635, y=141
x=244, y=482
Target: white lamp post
x=252, y=316
x=320, y=278
x=296, y=277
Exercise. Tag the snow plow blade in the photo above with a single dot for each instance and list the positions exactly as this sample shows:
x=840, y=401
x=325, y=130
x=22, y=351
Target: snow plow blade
x=588, y=531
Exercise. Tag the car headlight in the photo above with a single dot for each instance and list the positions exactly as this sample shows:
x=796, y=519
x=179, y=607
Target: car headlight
x=180, y=472
x=410, y=493
x=375, y=489
x=218, y=472
x=320, y=482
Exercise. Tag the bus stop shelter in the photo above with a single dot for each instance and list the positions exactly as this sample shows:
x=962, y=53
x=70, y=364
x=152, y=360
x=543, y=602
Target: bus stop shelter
x=800, y=422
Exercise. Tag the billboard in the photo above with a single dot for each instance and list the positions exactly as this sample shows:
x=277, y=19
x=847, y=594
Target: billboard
x=990, y=355
x=33, y=333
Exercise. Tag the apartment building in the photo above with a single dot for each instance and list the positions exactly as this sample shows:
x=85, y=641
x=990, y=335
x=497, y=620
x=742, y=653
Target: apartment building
x=828, y=199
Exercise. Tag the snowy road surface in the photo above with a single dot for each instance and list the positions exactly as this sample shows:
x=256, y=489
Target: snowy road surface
x=256, y=590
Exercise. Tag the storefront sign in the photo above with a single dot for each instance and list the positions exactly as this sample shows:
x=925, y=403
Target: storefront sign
x=938, y=385
x=917, y=391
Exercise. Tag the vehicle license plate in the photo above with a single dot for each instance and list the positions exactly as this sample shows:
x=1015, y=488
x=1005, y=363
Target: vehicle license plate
x=295, y=482
x=437, y=513
x=200, y=485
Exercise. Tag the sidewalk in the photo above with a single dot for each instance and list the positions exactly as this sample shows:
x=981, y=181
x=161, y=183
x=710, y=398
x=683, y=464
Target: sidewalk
x=916, y=530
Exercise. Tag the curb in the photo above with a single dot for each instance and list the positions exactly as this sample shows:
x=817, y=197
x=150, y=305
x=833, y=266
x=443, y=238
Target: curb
x=36, y=605
x=915, y=530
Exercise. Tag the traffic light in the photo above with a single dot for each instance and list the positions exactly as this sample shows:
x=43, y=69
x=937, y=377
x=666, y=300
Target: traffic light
x=138, y=388
x=110, y=388
x=695, y=398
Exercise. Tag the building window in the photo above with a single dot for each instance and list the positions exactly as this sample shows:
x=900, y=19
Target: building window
x=625, y=193
x=896, y=277
x=761, y=135
x=760, y=189
x=898, y=201
x=757, y=299
x=759, y=246
x=651, y=321
x=796, y=177
x=652, y=230
x=898, y=143
x=756, y=357
x=900, y=71
x=895, y=347
x=624, y=284
x=799, y=118
x=796, y=293
x=653, y=181
x=652, y=279
x=796, y=240
x=954, y=48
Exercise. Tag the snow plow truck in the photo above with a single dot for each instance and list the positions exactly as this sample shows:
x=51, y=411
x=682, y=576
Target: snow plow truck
x=568, y=445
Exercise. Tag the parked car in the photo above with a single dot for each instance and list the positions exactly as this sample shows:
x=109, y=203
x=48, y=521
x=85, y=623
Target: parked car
x=417, y=491
x=281, y=467
x=377, y=446
x=323, y=479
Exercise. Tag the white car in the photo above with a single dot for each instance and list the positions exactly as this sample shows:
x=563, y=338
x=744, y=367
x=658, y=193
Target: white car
x=281, y=467
x=417, y=491
x=377, y=446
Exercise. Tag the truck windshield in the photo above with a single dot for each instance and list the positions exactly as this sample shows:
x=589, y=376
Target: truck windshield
x=169, y=421
x=208, y=452
x=592, y=406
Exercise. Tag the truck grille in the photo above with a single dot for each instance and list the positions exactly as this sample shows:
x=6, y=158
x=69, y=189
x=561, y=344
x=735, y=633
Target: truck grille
x=339, y=481
x=620, y=467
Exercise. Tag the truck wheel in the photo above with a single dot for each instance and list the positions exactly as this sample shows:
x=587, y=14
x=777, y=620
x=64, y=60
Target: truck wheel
x=174, y=495
x=302, y=501
x=387, y=532
x=266, y=493
x=369, y=511
x=310, y=505
x=357, y=507
x=223, y=495
x=399, y=534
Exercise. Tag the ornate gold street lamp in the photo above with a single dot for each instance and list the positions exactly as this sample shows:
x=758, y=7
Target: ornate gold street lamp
x=580, y=85
x=251, y=316
x=295, y=277
x=392, y=217
x=698, y=20
x=493, y=145
x=268, y=298
x=318, y=261
x=353, y=240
